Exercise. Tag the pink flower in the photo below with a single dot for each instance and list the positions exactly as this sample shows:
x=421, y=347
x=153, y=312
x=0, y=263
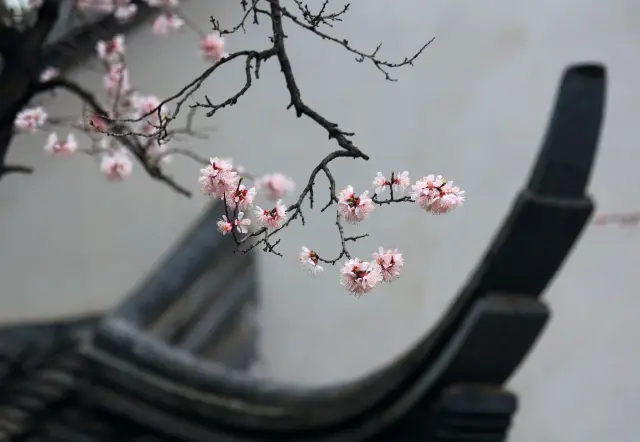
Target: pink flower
x=352, y=208
x=49, y=74
x=437, y=195
x=275, y=185
x=112, y=50
x=359, y=277
x=166, y=23
x=29, y=120
x=149, y=106
x=242, y=223
x=273, y=218
x=61, y=148
x=400, y=183
x=380, y=183
x=453, y=197
x=125, y=10
x=156, y=151
x=241, y=198
x=146, y=104
x=310, y=259
x=224, y=226
x=389, y=263
x=218, y=178
x=117, y=80
x=116, y=165
x=212, y=47
x=98, y=123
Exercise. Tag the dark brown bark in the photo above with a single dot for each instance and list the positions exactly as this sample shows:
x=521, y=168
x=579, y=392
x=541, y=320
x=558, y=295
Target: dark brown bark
x=22, y=52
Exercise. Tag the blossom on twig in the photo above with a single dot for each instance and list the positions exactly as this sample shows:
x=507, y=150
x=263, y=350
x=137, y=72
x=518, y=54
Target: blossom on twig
x=390, y=262
x=218, y=178
x=359, y=277
x=310, y=260
x=273, y=218
x=437, y=195
x=241, y=198
x=30, y=120
x=111, y=51
x=167, y=23
x=116, y=165
x=276, y=185
x=399, y=184
x=59, y=147
x=352, y=208
x=212, y=47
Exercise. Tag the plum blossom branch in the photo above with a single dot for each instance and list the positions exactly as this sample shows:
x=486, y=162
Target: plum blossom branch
x=434, y=194
x=142, y=126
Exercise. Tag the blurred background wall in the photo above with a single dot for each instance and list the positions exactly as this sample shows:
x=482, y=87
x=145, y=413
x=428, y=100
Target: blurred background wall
x=474, y=108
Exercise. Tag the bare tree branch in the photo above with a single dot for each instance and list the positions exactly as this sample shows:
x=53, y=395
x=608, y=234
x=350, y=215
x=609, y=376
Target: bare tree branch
x=314, y=20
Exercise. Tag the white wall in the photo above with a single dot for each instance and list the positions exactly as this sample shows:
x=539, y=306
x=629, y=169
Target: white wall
x=474, y=108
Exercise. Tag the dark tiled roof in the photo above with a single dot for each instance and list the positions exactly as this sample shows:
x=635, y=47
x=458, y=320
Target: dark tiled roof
x=40, y=368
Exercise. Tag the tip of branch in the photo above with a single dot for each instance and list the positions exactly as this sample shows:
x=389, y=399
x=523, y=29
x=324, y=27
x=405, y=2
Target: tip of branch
x=7, y=169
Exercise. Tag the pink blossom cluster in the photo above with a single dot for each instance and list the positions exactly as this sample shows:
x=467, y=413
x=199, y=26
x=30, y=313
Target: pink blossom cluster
x=354, y=209
x=220, y=179
x=357, y=276
x=432, y=193
x=437, y=195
